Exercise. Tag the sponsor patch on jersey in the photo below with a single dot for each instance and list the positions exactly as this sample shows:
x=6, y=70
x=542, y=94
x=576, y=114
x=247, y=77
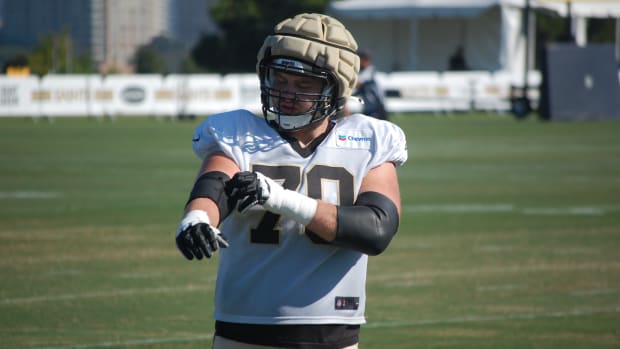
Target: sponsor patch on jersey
x=347, y=303
x=355, y=139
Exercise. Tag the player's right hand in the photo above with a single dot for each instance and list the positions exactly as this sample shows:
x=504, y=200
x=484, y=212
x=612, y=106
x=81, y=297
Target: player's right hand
x=196, y=238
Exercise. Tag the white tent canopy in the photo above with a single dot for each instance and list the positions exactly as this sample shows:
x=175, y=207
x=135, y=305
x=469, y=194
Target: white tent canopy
x=365, y=9
x=576, y=8
x=420, y=35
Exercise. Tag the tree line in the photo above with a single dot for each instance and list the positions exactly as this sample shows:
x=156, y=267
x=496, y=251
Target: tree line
x=243, y=25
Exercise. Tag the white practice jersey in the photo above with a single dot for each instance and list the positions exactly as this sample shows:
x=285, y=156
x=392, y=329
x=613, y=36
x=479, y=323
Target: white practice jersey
x=276, y=272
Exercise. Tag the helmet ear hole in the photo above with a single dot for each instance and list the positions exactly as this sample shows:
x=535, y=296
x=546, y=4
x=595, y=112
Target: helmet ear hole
x=340, y=103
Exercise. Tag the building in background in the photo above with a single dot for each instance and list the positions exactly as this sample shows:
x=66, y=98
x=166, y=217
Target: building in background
x=110, y=31
x=1, y=12
x=120, y=27
x=25, y=22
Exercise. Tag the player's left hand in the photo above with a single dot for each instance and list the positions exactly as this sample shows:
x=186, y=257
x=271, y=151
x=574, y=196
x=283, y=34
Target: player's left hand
x=248, y=189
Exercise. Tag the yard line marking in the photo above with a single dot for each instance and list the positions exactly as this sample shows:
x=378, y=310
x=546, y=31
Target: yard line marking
x=148, y=275
x=507, y=208
x=408, y=283
x=132, y=343
x=460, y=208
x=594, y=292
x=469, y=319
x=494, y=249
x=492, y=288
x=114, y=293
x=567, y=211
x=541, y=267
x=429, y=273
x=29, y=195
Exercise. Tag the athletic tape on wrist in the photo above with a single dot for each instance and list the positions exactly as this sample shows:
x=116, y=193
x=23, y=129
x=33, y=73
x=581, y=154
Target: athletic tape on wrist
x=193, y=217
x=293, y=205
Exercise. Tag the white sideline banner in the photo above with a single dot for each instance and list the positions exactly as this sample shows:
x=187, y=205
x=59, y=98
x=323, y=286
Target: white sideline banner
x=67, y=95
x=205, y=94
x=130, y=94
x=249, y=91
x=16, y=96
x=166, y=99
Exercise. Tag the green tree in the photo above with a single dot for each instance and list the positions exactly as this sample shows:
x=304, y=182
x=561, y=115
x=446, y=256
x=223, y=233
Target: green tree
x=601, y=30
x=148, y=60
x=552, y=28
x=54, y=54
x=189, y=66
x=243, y=25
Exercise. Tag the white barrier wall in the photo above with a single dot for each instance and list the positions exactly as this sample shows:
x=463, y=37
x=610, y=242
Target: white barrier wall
x=64, y=95
x=128, y=94
x=133, y=95
x=19, y=96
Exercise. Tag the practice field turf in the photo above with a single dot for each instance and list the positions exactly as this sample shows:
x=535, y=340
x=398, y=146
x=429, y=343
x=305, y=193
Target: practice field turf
x=509, y=238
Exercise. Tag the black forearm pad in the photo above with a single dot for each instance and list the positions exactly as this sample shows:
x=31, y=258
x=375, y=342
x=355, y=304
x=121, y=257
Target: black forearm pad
x=369, y=225
x=211, y=185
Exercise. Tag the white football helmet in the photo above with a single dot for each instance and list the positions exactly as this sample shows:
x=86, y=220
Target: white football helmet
x=307, y=45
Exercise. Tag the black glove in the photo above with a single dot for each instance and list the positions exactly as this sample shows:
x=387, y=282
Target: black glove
x=247, y=189
x=197, y=238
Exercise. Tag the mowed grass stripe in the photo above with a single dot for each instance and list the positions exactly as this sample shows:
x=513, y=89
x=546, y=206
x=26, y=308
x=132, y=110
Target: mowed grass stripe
x=377, y=325
x=509, y=236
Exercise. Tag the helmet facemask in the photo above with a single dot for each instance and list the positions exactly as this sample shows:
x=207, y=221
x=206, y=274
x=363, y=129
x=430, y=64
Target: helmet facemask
x=296, y=94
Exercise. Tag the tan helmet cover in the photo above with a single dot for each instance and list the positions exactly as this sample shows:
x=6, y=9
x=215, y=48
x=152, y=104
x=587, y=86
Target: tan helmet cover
x=320, y=40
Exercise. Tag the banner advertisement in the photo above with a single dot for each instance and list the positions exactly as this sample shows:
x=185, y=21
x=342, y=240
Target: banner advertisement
x=206, y=94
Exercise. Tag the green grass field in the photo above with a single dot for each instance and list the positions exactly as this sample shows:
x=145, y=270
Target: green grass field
x=510, y=237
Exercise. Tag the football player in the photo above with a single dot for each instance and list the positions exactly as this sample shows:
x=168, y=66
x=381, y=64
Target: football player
x=301, y=197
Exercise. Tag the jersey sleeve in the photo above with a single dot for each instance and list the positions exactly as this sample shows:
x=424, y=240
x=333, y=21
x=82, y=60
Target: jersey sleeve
x=238, y=134
x=385, y=141
x=203, y=141
x=391, y=144
x=397, y=145
x=219, y=133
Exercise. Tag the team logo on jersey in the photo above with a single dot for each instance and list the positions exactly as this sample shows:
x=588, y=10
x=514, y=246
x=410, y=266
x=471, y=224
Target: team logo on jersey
x=355, y=139
x=347, y=303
